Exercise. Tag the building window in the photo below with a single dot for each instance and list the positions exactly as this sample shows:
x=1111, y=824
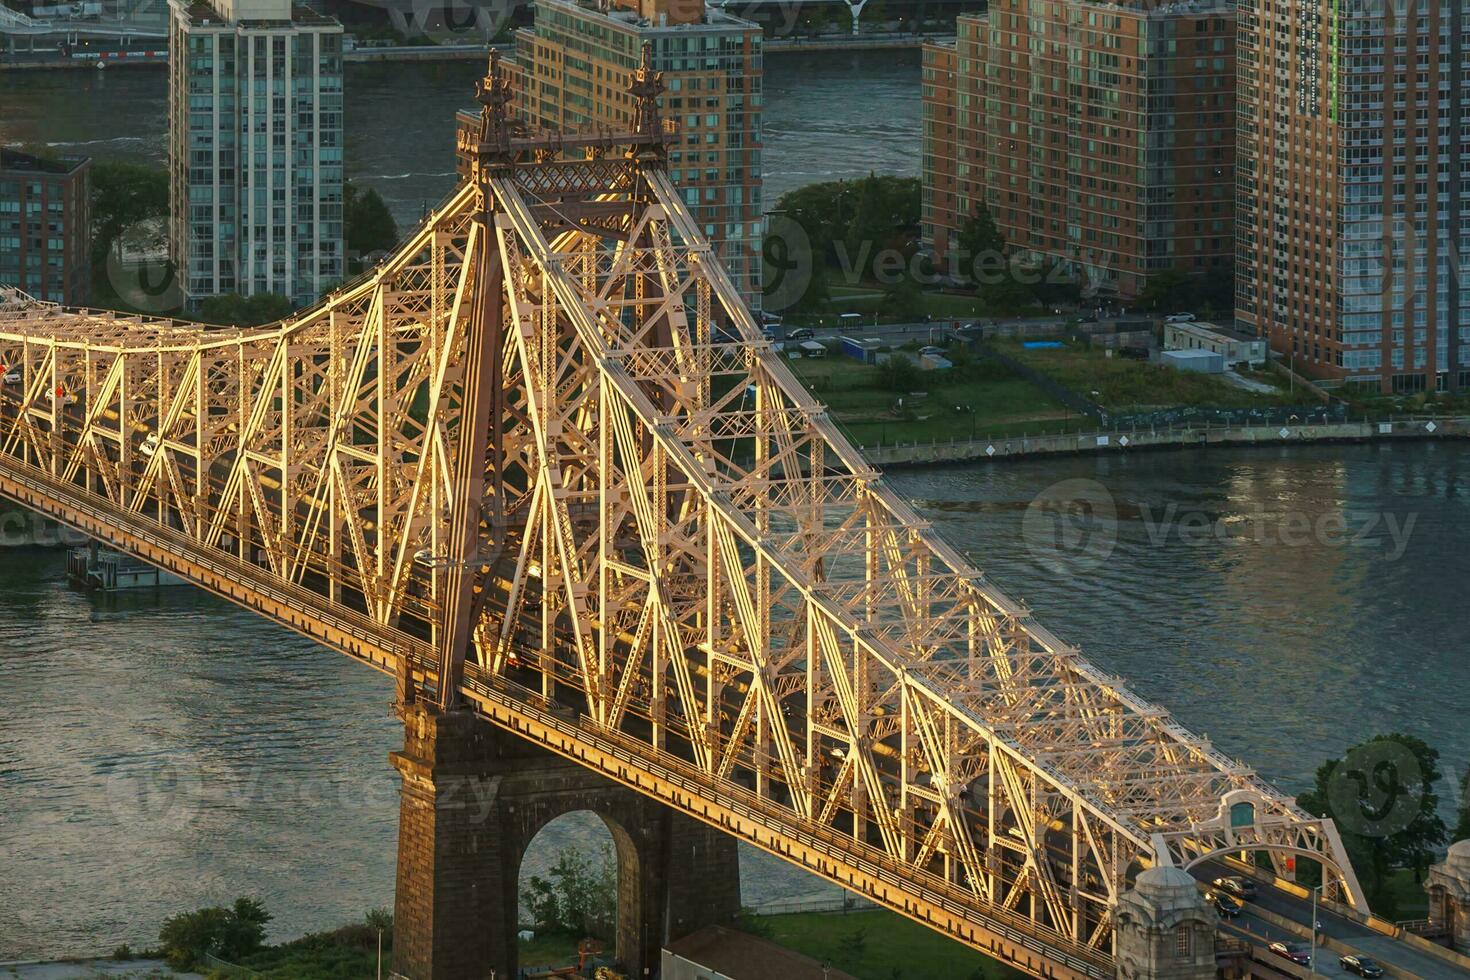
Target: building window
x=1184, y=942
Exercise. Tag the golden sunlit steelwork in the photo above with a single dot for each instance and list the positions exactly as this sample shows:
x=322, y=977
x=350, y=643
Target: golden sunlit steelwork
x=542, y=464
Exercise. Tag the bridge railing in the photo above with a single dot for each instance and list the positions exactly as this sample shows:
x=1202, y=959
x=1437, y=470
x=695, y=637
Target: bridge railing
x=304, y=603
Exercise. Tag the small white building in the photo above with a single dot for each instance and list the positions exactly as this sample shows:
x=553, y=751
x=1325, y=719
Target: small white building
x=1235, y=348
x=1200, y=361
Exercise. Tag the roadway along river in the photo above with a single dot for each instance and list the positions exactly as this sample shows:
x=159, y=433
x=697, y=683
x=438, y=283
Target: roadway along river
x=1287, y=602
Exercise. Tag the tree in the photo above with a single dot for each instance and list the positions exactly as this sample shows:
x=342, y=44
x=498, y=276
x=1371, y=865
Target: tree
x=232, y=309
x=577, y=896
x=898, y=373
x=1381, y=796
x=369, y=225
x=124, y=195
x=1462, y=824
x=872, y=210
x=871, y=225
x=979, y=237
x=1168, y=290
x=229, y=933
x=901, y=297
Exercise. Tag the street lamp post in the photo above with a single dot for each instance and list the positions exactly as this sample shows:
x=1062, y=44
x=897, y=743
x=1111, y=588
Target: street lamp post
x=1316, y=892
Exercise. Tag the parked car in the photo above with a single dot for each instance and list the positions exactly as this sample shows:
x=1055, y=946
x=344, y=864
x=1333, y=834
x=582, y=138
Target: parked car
x=1363, y=966
x=931, y=351
x=770, y=319
x=1296, y=952
x=1237, y=886
x=1229, y=908
x=800, y=333
x=1179, y=318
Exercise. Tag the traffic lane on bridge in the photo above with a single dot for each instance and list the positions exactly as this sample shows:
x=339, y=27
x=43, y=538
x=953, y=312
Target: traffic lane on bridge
x=1261, y=934
x=1346, y=931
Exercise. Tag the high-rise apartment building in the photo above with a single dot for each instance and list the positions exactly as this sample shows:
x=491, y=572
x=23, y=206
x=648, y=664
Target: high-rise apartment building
x=572, y=72
x=938, y=211
x=1354, y=188
x=1100, y=135
x=255, y=149
x=954, y=123
x=45, y=226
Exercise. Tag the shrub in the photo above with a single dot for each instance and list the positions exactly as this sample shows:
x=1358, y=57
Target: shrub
x=229, y=933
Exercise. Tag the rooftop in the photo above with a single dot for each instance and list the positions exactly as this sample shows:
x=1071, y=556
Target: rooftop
x=1203, y=326
x=17, y=162
x=201, y=13
x=715, y=19
x=741, y=956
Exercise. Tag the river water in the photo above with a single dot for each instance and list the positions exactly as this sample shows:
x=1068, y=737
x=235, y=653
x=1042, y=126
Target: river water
x=828, y=115
x=166, y=751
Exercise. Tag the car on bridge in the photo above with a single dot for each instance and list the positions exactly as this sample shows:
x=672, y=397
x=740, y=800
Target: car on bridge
x=1296, y=952
x=1229, y=908
x=1242, y=888
x=1363, y=966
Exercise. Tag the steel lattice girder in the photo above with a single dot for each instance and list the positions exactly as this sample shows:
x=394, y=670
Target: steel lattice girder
x=657, y=555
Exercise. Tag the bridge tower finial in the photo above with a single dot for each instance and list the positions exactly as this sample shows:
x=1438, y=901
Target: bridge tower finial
x=494, y=95
x=646, y=87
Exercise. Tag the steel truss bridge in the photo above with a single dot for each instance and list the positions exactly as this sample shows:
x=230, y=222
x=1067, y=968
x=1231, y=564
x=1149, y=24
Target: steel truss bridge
x=542, y=465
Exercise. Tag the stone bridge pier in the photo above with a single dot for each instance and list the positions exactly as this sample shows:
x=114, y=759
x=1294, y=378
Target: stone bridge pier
x=472, y=799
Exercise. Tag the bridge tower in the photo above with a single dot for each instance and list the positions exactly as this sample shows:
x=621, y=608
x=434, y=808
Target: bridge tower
x=474, y=797
x=1164, y=929
x=1448, y=886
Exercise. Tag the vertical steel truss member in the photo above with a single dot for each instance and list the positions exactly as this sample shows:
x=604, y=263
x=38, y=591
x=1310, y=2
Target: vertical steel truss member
x=654, y=553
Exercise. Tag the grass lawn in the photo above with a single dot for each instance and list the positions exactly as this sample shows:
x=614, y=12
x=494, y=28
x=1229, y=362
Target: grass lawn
x=1124, y=385
x=991, y=401
x=548, y=949
x=879, y=945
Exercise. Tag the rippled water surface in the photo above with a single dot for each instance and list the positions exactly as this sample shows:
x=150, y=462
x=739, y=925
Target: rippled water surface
x=828, y=115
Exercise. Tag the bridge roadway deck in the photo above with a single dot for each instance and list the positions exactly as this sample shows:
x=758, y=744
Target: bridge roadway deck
x=1401, y=958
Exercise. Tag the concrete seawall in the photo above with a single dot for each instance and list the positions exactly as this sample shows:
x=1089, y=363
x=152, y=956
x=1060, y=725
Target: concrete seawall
x=1179, y=437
